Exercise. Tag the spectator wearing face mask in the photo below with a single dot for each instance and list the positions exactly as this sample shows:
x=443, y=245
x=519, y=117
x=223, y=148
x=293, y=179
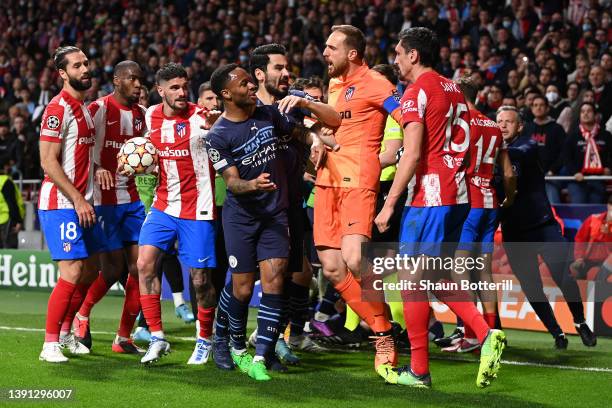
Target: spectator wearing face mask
x=557, y=105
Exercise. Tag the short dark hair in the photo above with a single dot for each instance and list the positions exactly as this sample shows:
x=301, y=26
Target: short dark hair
x=468, y=88
x=170, y=71
x=540, y=96
x=388, y=71
x=424, y=41
x=204, y=87
x=59, y=56
x=591, y=104
x=260, y=57
x=219, y=78
x=355, y=39
x=305, y=83
x=123, y=65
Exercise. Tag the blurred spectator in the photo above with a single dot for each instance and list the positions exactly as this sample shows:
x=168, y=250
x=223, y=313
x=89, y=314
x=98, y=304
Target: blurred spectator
x=593, y=241
x=550, y=138
x=602, y=92
x=8, y=147
x=509, y=46
x=12, y=211
x=587, y=151
x=489, y=99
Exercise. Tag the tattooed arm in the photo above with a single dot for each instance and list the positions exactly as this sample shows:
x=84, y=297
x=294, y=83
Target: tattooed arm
x=240, y=186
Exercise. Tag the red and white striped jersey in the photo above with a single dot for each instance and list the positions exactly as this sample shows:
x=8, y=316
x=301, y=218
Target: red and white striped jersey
x=438, y=104
x=486, y=141
x=186, y=176
x=115, y=124
x=66, y=120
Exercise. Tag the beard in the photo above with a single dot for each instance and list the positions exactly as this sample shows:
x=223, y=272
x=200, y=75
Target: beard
x=274, y=91
x=335, y=70
x=79, y=84
x=174, y=104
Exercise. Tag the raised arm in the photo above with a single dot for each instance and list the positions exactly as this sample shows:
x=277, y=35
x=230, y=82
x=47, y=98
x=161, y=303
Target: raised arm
x=326, y=114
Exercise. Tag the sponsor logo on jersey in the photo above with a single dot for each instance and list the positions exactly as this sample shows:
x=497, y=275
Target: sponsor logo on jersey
x=452, y=162
x=173, y=153
x=87, y=140
x=113, y=144
x=409, y=106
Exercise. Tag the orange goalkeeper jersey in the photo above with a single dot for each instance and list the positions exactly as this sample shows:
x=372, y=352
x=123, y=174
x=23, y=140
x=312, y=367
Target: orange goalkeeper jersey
x=363, y=100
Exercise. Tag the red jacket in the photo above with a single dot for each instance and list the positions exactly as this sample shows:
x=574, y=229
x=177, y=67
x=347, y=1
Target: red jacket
x=594, y=230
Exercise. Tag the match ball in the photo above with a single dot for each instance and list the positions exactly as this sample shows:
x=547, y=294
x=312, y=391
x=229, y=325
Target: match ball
x=138, y=156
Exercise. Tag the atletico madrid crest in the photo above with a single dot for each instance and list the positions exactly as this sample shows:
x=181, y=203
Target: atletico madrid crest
x=181, y=129
x=138, y=125
x=67, y=247
x=350, y=91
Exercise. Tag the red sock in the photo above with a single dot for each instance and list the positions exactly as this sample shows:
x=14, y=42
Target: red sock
x=471, y=318
x=206, y=317
x=77, y=299
x=96, y=291
x=460, y=302
x=372, y=312
x=58, y=304
x=131, y=307
x=416, y=316
x=151, y=309
x=469, y=333
x=491, y=319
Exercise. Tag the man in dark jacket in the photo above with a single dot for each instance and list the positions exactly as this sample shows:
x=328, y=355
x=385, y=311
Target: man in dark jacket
x=587, y=151
x=549, y=137
x=529, y=229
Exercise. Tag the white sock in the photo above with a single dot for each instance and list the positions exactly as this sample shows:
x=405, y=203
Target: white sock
x=119, y=339
x=178, y=299
x=259, y=358
x=158, y=334
x=63, y=334
x=81, y=317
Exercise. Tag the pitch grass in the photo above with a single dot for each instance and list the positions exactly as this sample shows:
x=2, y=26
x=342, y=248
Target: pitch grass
x=334, y=379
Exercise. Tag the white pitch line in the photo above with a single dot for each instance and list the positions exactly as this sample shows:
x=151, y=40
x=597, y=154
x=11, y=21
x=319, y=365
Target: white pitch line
x=509, y=362
x=31, y=329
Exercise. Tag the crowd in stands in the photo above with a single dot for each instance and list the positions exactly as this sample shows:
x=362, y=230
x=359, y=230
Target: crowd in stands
x=552, y=59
